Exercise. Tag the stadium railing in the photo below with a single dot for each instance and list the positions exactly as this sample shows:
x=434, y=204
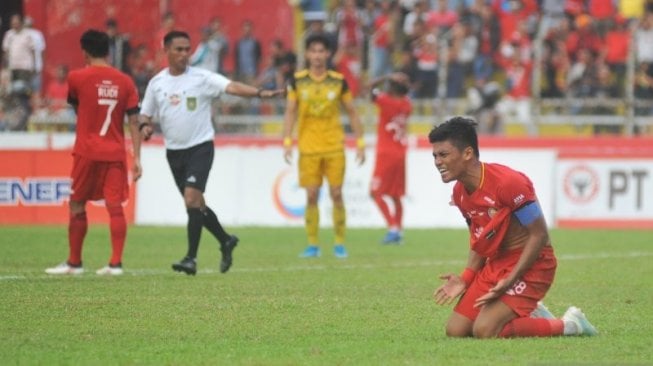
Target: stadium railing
x=565, y=117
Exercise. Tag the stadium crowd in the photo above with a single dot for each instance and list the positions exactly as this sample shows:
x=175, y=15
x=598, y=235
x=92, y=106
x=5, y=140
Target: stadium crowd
x=447, y=47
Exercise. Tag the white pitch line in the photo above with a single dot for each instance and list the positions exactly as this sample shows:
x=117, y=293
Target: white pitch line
x=27, y=275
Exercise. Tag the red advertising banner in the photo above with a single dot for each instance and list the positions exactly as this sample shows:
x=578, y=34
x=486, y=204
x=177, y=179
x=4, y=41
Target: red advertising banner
x=35, y=187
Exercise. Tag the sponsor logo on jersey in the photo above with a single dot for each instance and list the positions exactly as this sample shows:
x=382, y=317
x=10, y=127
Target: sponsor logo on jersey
x=174, y=99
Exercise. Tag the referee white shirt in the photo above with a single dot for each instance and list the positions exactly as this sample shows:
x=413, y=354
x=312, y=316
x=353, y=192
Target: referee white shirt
x=183, y=105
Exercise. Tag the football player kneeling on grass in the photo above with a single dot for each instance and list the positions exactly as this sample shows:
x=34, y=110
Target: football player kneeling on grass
x=511, y=263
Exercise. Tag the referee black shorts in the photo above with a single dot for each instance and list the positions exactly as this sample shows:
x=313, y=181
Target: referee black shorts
x=190, y=167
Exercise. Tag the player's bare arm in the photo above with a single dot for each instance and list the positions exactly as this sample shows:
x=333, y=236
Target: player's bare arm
x=455, y=285
x=248, y=91
x=357, y=127
x=288, y=124
x=537, y=237
x=137, y=169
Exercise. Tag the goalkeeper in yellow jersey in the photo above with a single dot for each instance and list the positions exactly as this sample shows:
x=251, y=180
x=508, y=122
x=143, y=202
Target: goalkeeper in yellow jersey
x=314, y=99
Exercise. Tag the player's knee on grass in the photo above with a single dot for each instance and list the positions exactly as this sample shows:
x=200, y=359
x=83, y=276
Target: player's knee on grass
x=486, y=328
x=458, y=326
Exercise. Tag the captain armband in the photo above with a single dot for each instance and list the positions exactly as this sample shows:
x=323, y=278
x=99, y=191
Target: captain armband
x=287, y=142
x=528, y=213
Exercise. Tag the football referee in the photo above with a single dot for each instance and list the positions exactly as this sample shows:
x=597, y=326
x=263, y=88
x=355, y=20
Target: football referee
x=180, y=95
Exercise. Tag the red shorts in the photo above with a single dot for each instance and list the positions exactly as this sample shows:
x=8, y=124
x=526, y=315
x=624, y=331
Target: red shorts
x=526, y=291
x=389, y=176
x=96, y=180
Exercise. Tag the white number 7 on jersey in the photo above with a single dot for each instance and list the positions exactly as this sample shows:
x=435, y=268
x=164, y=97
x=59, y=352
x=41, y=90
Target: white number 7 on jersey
x=112, y=105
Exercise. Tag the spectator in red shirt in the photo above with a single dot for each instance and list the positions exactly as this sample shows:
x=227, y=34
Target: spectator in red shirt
x=574, y=7
x=615, y=48
x=425, y=52
x=602, y=11
x=583, y=37
x=348, y=63
x=349, y=25
x=55, y=99
x=511, y=12
x=56, y=93
x=442, y=17
x=488, y=33
x=518, y=87
x=167, y=24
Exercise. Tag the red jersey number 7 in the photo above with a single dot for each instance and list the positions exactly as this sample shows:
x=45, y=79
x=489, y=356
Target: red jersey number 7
x=111, y=103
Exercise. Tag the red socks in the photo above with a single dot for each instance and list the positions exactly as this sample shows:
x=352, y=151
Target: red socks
x=399, y=211
x=118, y=227
x=77, y=227
x=532, y=327
x=383, y=207
x=390, y=219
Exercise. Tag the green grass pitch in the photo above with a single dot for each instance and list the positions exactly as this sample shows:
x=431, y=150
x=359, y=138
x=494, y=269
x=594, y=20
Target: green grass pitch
x=273, y=308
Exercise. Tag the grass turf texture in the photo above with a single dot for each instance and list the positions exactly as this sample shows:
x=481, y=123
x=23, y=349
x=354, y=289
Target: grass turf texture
x=274, y=308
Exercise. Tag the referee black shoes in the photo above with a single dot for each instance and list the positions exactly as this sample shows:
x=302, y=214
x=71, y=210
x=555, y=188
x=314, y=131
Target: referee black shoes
x=227, y=248
x=186, y=265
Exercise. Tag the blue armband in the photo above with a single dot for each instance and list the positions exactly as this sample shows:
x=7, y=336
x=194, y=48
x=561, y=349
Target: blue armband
x=528, y=213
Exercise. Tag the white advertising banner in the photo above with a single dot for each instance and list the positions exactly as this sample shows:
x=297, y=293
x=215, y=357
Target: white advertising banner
x=594, y=189
x=252, y=185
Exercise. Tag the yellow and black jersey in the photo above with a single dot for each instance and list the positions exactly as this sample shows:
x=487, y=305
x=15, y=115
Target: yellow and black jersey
x=318, y=100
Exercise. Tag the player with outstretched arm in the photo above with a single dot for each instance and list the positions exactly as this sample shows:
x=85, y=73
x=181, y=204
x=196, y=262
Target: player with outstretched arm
x=181, y=95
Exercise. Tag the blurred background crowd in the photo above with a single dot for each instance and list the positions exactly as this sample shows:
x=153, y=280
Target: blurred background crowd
x=506, y=62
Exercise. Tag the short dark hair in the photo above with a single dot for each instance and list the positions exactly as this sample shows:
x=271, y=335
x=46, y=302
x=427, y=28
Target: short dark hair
x=167, y=39
x=398, y=88
x=95, y=43
x=318, y=38
x=460, y=131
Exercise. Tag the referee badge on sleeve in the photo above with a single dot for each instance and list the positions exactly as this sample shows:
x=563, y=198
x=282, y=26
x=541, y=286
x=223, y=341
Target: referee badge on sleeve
x=191, y=103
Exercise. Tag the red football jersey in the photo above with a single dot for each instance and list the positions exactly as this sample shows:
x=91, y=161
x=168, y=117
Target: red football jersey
x=501, y=192
x=393, y=122
x=102, y=96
